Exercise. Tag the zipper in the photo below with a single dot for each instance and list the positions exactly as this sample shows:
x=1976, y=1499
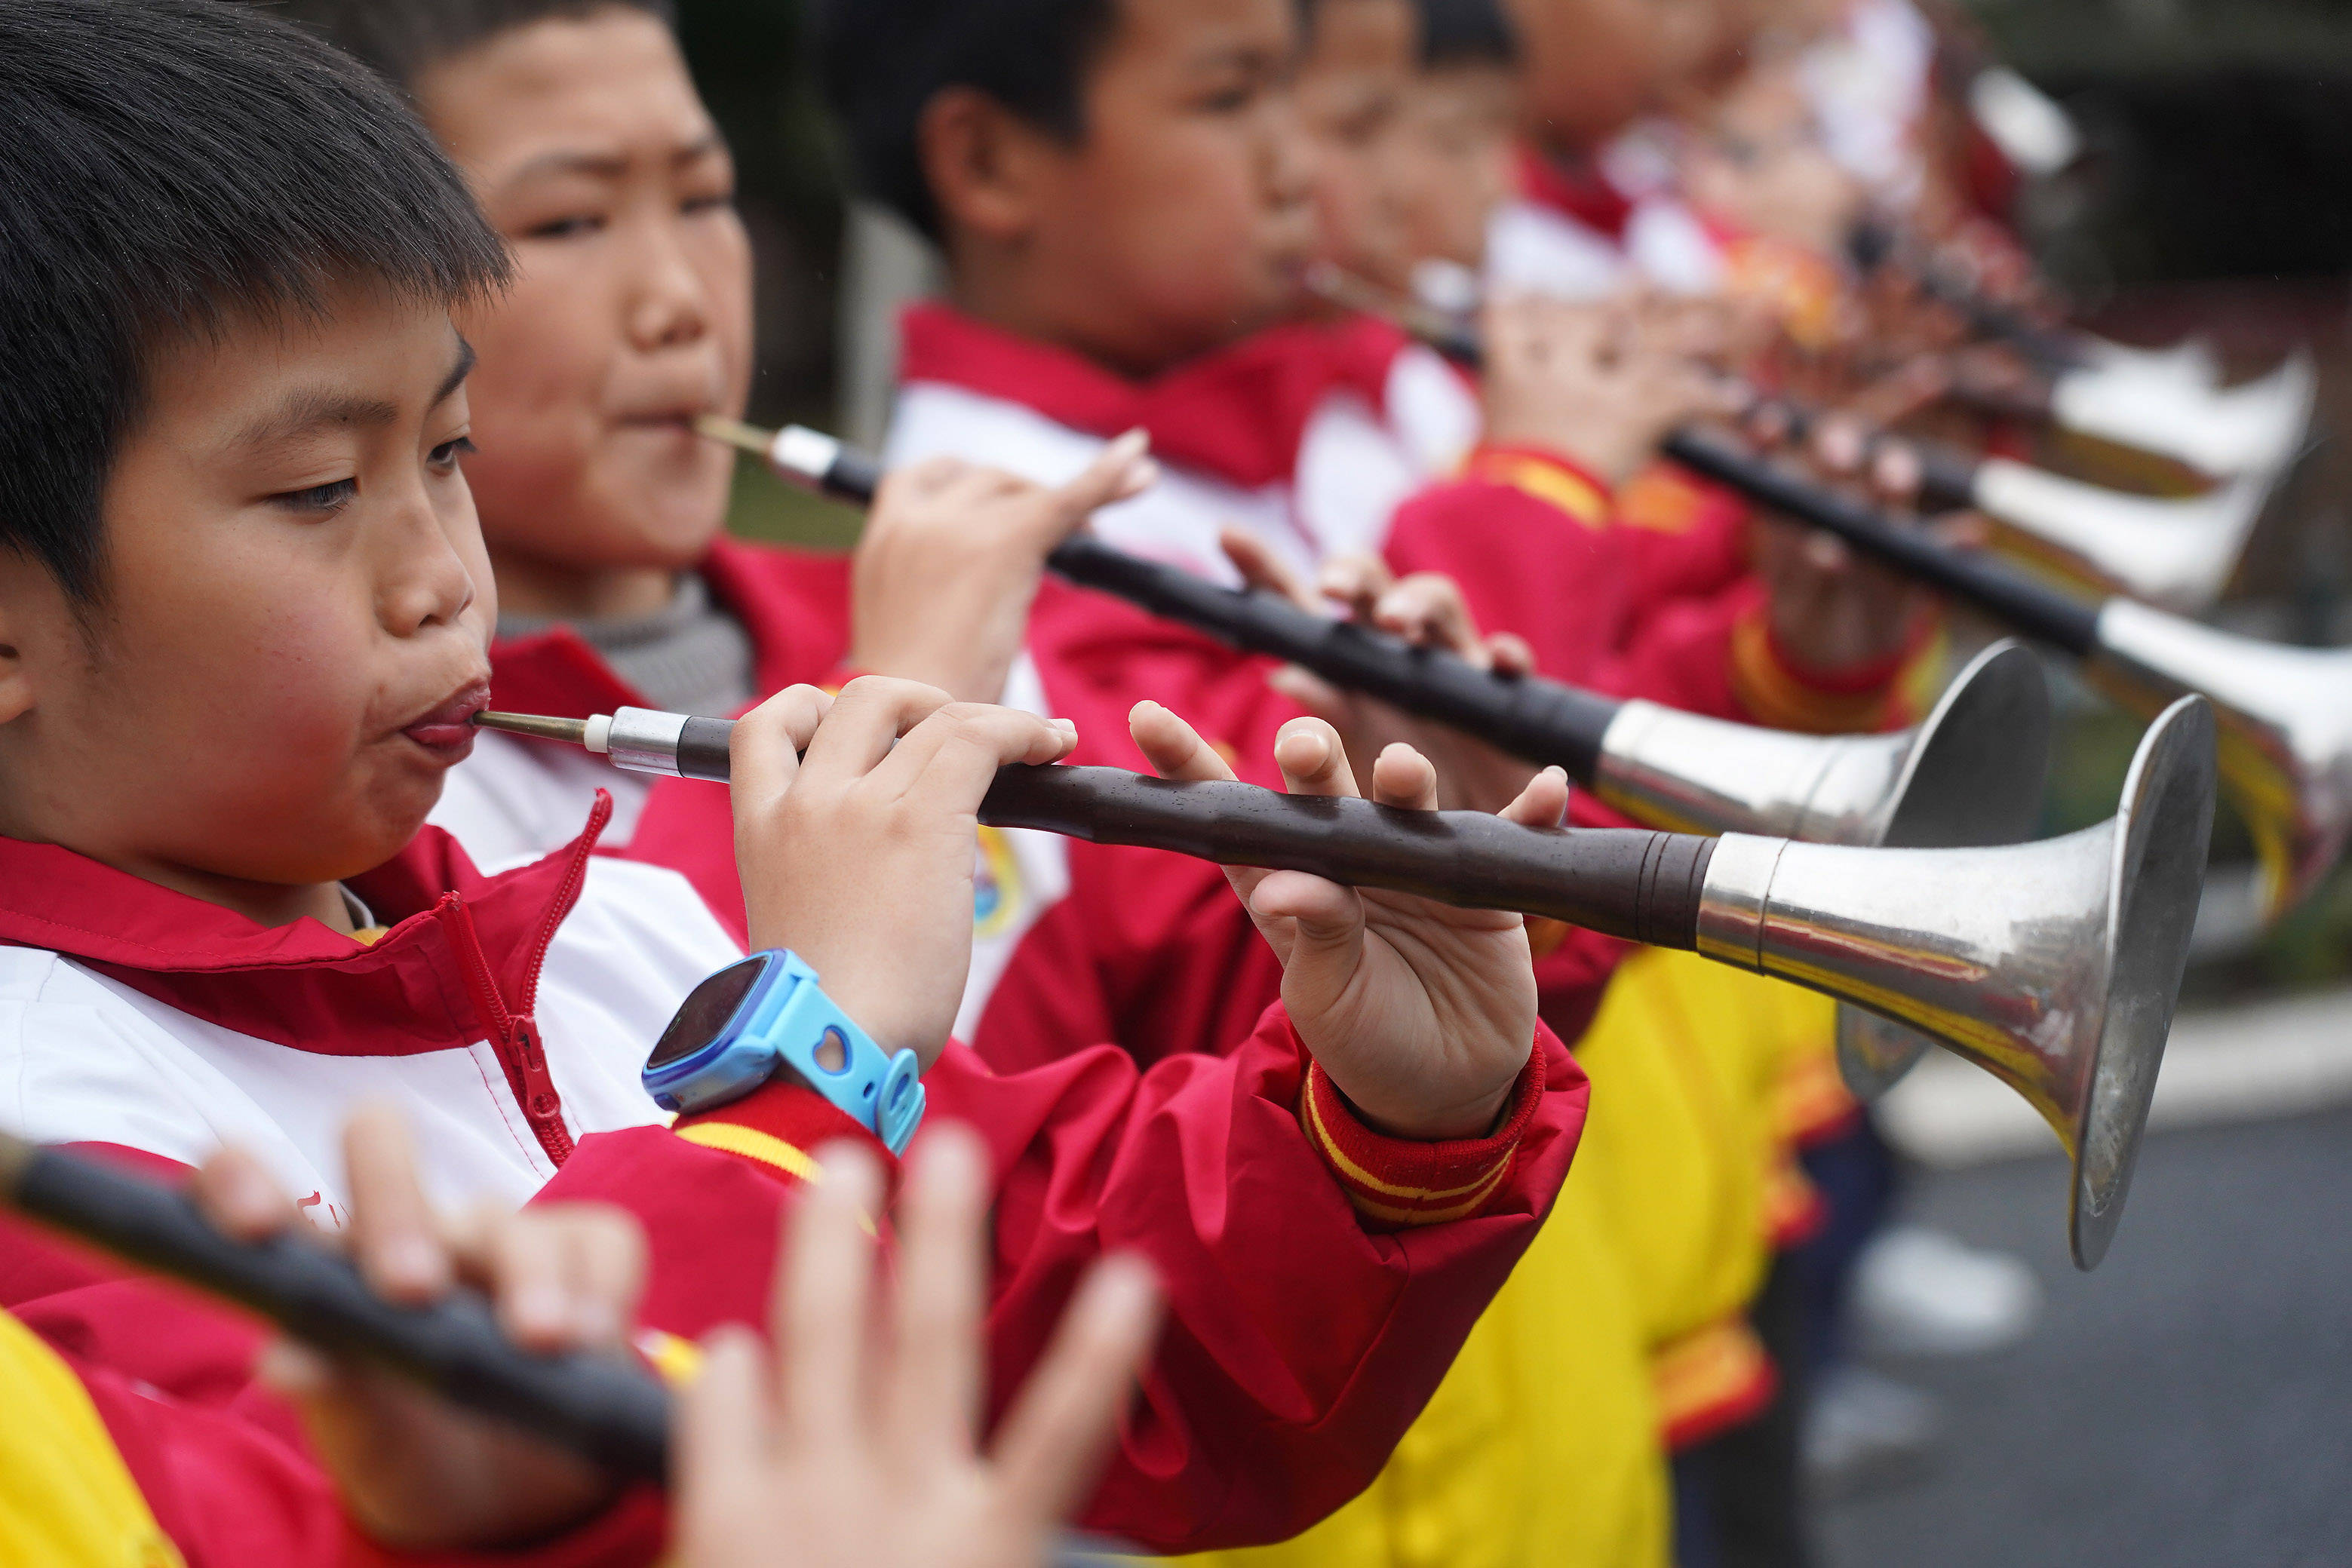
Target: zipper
x=514, y=1032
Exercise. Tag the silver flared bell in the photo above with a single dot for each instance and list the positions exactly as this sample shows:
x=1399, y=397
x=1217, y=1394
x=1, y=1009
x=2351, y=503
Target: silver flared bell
x=2256, y=428
x=2179, y=554
x=2286, y=715
x=1971, y=775
x=2054, y=965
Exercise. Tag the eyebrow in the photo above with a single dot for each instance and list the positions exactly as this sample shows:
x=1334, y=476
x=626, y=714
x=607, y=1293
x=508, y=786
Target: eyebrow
x=606, y=166
x=310, y=409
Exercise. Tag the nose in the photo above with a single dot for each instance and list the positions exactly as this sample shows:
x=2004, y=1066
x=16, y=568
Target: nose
x=1287, y=156
x=424, y=580
x=671, y=305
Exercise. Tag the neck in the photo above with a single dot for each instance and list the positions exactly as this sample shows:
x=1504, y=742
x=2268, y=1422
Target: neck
x=554, y=591
x=267, y=905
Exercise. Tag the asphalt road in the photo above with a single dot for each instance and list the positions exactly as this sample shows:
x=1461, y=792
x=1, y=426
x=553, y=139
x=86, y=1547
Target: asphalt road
x=2188, y=1406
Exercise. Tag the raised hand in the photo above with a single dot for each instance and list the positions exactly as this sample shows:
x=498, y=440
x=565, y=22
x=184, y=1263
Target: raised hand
x=1601, y=383
x=414, y=1473
x=856, y=1446
x=859, y=858
x=1423, y=1014
x=950, y=558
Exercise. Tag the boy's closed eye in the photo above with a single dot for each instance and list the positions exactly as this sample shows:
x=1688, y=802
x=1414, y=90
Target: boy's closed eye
x=337, y=494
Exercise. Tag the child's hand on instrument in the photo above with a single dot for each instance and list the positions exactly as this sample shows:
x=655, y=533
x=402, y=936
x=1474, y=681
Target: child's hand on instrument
x=950, y=557
x=1426, y=610
x=1421, y=1013
x=859, y=858
x=1600, y=384
x=416, y=1473
x=858, y=1447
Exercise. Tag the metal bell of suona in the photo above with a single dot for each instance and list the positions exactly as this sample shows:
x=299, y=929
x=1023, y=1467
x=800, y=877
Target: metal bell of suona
x=2225, y=432
x=2179, y=554
x=2285, y=719
x=1971, y=775
x=2053, y=966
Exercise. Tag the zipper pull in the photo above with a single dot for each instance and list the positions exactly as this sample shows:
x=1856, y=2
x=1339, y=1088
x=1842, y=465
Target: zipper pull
x=539, y=1102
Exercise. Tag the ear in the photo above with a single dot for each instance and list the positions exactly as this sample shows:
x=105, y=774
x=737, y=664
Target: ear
x=984, y=165
x=19, y=580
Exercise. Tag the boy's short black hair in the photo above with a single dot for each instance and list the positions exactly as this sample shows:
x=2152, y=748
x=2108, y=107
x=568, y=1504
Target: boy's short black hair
x=881, y=61
x=167, y=167
x=1465, y=33
x=406, y=38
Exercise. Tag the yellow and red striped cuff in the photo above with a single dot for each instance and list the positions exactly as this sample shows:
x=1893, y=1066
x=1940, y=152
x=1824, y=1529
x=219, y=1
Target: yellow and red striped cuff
x=1778, y=693
x=1665, y=499
x=1399, y=1184
x=1710, y=1381
x=1546, y=475
x=1810, y=1103
x=1794, y=1209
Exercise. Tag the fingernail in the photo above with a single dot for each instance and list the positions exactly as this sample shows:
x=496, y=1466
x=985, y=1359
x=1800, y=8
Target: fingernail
x=1068, y=727
x=595, y=1320
x=540, y=1311
x=410, y=1263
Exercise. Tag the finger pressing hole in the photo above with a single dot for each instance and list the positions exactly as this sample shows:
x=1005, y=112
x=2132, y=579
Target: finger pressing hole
x=1404, y=777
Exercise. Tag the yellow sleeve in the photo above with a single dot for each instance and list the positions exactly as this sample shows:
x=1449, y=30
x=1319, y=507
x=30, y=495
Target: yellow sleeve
x=66, y=1500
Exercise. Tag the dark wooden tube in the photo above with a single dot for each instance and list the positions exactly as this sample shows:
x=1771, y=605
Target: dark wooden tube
x=1539, y=721
x=1999, y=590
x=603, y=1406
x=1642, y=886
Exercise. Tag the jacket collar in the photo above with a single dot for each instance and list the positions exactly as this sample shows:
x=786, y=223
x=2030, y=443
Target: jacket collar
x=1239, y=413
x=460, y=963
x=794, y=604
x=1578, y=190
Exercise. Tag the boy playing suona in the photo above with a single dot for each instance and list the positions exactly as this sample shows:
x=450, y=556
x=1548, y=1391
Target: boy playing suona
x=245, y=615
x=629, y=315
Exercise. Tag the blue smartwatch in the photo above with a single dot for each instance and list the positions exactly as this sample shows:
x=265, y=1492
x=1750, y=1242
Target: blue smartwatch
x=765, y=1017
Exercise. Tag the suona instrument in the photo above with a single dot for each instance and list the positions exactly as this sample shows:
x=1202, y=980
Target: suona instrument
x=1971, y=775
x=2055, y=965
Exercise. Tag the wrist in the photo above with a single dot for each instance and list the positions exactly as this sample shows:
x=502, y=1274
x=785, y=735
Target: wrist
x=768, y=1017
x=1399, y=1183
x=1423, y=1124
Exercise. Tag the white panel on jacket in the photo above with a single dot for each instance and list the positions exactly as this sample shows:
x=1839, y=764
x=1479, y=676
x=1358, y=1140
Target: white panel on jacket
x=86, y=1059
x=1541, y=251
x=516, y=799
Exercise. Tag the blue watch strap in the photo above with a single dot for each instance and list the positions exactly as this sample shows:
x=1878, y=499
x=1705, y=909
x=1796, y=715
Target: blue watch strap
x=787, y=1018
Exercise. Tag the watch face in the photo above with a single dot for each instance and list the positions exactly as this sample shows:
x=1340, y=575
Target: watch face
x=708, y=1011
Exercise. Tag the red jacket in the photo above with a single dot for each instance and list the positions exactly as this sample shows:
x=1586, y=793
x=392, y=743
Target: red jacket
x=1321, y=1277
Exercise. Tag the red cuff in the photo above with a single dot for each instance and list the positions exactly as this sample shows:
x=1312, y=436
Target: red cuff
x=1551, y=477
x=1397, y=1183
x=779, y=1127
x=1778, y=692
x=633, y=1532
